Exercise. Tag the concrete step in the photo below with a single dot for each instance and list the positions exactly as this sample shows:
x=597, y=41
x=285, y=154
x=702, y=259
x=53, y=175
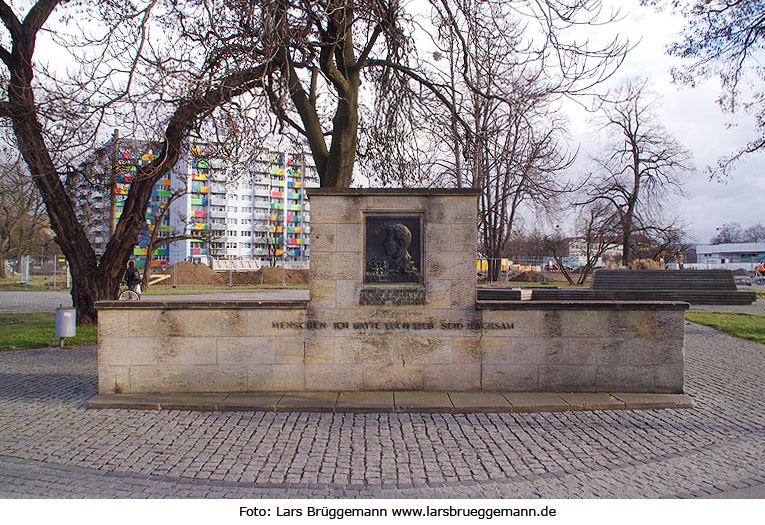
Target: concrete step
x=364, y=402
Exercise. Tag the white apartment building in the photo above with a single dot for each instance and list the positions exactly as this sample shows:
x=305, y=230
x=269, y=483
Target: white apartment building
x=258, y=211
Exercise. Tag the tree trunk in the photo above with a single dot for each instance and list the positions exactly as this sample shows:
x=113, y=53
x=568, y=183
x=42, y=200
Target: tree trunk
x=495, y=266
x=338, y=171
x=625, y=246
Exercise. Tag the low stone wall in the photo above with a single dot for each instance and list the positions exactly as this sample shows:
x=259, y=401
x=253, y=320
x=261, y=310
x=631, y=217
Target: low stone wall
x=240, y=346
x=585, y=346
x=217, y=346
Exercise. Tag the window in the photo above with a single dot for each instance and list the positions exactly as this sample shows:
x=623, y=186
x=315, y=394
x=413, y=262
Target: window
x=231, y=220
x=232, y=208
x=246, y=234
x=231, y=233
x=231, y=245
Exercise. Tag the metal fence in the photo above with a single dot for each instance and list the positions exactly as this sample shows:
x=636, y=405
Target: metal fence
x=54, y=271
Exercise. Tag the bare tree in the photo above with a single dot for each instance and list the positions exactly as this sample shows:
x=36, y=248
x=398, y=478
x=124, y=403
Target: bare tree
x=49, y=115
x=727, y=233
x=23, y=225
x=733, y=232
x=754, y=233
x=301, y=62
x=724, y=38
x=642, y=164
x=498, y=132
x=597, y=226
x=662, y=240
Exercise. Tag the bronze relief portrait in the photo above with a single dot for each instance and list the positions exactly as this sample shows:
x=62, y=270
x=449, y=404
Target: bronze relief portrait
x=393, y=250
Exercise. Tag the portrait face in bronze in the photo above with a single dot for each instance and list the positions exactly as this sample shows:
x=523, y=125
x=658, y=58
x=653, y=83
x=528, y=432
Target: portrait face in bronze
x=397, y=240
x=388, y=250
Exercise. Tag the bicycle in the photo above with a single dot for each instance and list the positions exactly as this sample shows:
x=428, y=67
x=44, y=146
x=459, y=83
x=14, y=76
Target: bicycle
x=126, y=294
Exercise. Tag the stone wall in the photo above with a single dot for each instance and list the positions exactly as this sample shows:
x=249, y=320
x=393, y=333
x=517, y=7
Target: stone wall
x=219, y=346
x=585, y=346
x=250, y=346
x=401, y=347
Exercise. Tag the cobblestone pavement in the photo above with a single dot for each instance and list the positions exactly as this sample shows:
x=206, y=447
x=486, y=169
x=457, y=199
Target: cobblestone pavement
x=51, y=446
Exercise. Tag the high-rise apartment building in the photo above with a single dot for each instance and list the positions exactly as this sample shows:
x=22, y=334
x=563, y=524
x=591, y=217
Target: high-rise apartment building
x=259, y=212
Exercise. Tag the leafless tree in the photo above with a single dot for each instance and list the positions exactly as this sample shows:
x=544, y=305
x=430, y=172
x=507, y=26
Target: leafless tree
x=754, y=233
x=724, y=39
x=23, y=225
x=497, y=131
x=662, y=240
x=597, y=227
x=49, y=114
x=733, y=232
x=642, y=165
x=727, y=233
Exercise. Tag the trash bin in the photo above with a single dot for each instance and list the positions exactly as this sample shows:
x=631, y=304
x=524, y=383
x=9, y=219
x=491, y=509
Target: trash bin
x=66, y=323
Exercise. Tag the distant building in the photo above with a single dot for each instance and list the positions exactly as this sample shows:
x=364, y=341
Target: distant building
x=261, y=212
x=744, y=255
x=103, y=187
x=577, y=248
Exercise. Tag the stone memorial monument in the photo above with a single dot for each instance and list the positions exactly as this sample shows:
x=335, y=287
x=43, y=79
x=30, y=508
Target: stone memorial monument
x=392, y=306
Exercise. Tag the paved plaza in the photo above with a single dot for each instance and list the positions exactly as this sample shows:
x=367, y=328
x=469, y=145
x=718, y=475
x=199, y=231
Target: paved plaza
x=51, y=445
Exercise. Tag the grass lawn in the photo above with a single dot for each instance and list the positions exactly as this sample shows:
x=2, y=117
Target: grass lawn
x=36, y=284
x=38, y=330
x=746, y=326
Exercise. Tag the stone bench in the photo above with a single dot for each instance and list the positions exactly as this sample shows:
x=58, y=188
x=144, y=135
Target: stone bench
x=692, y=286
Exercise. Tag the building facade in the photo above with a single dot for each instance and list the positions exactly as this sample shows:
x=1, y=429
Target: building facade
x=258, y=213
x=743, y=255
x=224, y=212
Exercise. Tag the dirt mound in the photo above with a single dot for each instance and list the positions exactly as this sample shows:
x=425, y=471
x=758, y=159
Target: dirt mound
x=203, y=275
x=192, y=274
x=268, y=275
x=528, y=277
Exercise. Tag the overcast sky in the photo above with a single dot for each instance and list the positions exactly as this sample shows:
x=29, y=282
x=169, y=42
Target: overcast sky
x=695, y=119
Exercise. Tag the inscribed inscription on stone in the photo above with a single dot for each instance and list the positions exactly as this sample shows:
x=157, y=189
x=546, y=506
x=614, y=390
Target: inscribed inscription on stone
x=392, y=296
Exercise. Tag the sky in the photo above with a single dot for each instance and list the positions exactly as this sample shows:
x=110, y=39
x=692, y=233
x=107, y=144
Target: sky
x=693, y=117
